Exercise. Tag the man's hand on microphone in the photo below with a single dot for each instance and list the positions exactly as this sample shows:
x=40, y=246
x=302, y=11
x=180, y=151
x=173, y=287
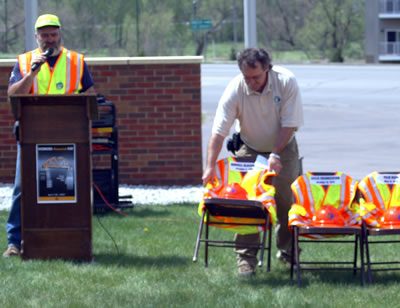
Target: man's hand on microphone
x=39, y=60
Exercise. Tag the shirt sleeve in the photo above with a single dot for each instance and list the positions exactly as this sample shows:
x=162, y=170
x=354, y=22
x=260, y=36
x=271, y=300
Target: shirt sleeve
x=87, y=80
x=292, y=109
x=228, y=109
x=15, y=75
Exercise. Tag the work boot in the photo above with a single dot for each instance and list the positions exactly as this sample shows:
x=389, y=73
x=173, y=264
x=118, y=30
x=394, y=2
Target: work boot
x=11, y=252
x=285, y=258
x=246, y=270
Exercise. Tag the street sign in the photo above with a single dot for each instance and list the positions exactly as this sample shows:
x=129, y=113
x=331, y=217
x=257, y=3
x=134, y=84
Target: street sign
x=201, y=24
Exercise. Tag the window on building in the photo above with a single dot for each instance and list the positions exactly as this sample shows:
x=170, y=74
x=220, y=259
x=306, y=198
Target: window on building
x=391, y=36
x=389, y=6
x=392, y=41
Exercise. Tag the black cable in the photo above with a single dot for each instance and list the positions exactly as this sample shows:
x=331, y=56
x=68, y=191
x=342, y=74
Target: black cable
x=106, y=202
x=109, y=234
x=114, y=209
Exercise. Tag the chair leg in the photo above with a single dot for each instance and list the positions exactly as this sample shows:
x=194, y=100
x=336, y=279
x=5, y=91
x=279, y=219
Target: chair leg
x=206, y=243
x=269, y=247
x=297, y=255
x=369, y=272
x=196, y=250
x=362, y=258
x=292, y=256
x=264, y=239
x=356, y=241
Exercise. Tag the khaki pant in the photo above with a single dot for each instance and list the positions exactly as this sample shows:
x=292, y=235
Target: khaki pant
x=283, y=198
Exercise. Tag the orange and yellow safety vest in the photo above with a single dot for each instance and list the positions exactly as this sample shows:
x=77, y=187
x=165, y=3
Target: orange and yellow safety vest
x=379, y=191
x=65, y=78
x=312, y=191
x=254, y=181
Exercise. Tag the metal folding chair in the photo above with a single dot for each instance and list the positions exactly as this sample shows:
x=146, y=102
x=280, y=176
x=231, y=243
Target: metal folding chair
x=233, y=208
x=231, y=214
x=305, y=231
x=379, y=192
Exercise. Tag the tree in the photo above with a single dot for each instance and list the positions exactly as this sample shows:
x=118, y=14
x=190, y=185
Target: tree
x=331, y=26
x=12, y=24
x=97, y=25
x=281, y=21
x=218, y=11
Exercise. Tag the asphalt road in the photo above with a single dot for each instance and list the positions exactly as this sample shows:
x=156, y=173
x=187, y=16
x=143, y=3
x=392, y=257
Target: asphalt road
x=352, y=115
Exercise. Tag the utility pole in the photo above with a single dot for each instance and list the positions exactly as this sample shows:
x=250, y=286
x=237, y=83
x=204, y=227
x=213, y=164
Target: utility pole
x=234, y=15
x=250, y=23
x=137, y=28
x=194, y=17
x=6, y=25
x=31, y=14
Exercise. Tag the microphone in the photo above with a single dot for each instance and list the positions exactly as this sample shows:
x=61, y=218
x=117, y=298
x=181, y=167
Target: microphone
x=47, y=54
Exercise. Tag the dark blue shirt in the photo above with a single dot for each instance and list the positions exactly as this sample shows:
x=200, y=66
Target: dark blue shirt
x=87, y=80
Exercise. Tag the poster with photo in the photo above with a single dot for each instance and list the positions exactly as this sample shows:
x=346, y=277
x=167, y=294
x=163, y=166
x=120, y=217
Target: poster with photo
x=56, y=173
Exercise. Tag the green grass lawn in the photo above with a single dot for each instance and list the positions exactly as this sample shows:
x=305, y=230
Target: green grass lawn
x=148, y=263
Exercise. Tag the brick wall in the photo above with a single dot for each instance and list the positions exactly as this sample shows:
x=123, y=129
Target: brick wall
x=158, y=104
x=8, y=146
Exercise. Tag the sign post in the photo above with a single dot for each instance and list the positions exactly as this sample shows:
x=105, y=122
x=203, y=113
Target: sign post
x=200, y=24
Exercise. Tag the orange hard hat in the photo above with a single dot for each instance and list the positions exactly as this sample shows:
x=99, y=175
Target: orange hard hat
x=391, y=218
x=328, y=216
x=233, y=191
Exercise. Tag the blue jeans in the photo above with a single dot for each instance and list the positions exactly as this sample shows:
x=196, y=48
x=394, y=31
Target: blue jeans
x=14, y=218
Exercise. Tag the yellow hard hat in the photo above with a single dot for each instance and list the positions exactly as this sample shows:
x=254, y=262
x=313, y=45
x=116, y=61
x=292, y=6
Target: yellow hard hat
x=47, y=20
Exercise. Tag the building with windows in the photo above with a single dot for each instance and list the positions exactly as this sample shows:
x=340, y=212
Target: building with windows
x=382, y=26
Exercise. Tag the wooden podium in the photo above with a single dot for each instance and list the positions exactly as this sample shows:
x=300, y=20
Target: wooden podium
x=56, y=175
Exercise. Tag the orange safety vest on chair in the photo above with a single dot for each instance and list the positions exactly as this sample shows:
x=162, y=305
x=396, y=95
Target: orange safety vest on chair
x=253, y=180
x=314, y=191
x=65, y=78
x=379, y=192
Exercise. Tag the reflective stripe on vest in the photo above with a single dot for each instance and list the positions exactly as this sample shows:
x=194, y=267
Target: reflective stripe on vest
x=376, y=189
x=314, y=196
x=224, y=175
x=310, y=194
x=253, y=181
x=65, y=77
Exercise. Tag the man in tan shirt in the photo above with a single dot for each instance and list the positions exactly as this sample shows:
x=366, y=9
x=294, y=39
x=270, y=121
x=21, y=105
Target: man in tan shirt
x=266, y=101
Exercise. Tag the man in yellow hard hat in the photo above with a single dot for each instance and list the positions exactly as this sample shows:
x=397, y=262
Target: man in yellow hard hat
x=49, y=69
x=49, y=73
